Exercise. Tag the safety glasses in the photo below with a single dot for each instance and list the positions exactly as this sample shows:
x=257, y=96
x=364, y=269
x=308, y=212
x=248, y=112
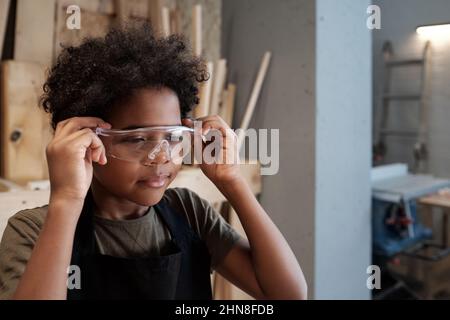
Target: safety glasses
x=144, y=145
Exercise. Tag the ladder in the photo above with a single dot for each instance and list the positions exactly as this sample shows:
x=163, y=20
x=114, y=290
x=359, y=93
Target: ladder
x=381, y=131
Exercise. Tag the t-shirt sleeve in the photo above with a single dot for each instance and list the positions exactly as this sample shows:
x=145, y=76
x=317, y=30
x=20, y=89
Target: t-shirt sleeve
x=18, y=240
x=209, y=224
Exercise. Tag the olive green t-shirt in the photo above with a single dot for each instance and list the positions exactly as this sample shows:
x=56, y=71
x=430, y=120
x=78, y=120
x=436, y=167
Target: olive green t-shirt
x=144, y=236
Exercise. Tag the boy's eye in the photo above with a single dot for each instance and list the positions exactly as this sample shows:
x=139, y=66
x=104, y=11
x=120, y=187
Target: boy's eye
x=133, y=140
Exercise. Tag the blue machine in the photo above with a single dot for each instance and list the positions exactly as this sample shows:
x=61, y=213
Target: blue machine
x=390, y=227
x=395, y=223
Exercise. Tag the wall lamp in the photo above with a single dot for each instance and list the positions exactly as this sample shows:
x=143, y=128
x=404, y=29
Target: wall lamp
x=440, y=30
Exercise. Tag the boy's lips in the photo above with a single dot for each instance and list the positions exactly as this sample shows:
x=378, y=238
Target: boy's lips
x=156, y=181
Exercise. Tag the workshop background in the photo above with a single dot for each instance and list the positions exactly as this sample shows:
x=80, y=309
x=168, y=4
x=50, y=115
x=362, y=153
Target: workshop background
x=363, y=114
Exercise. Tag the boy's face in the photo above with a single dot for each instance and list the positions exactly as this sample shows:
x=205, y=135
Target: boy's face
x=144, y=185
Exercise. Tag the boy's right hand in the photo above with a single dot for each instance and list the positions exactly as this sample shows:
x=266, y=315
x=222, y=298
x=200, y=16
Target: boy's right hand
x=70, y=155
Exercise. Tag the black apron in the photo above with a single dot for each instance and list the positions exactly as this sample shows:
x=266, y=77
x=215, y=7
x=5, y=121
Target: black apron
x=182, y=274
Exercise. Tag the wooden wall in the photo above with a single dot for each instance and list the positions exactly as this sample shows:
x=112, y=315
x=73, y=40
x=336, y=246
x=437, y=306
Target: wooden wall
x=40, y=33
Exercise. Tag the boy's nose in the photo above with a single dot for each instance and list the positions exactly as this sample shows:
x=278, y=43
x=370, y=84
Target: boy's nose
x=160, y=154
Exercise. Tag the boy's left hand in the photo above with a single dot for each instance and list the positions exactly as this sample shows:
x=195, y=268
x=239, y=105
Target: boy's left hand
x=226, y=169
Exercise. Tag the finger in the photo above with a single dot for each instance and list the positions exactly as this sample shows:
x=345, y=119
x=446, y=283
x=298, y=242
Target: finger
x=78, y=123
x=89, y=155
x=188, y=122
x=61, y=124
x=98, y=150
x=74, y=136
x=87, y=139
x=202, y=120
x=217, y=124
x=98, y=155
x=210, y=117
x=215, y=119
x=227, y=135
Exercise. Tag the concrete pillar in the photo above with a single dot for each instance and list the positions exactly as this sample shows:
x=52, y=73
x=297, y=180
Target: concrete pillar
x=318, y=93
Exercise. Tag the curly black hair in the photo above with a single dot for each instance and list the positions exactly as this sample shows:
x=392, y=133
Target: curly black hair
x=89, y=79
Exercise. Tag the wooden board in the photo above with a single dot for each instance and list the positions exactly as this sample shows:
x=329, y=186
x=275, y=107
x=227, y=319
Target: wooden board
x=97, y=17
x=123, y=11
x=254, y=97
x=202, y=110
x=35, y=23
x=441, y=199
x=93, y=23
x=165, y=18
x=4, y=10
x=154, y=14
x=217, y=86
x=193, y=178
x=197, y=30
x=137, y=8
x=227, y=107
x=21, y=87
x=175, y=21
x=15, y=201
x=234, y=293
x=188, y=177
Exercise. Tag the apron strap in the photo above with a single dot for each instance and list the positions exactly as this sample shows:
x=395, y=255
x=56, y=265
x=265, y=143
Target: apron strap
x=176, y=222
x=84, y=240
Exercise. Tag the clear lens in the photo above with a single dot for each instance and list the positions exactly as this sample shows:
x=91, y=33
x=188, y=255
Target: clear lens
x=144, y=145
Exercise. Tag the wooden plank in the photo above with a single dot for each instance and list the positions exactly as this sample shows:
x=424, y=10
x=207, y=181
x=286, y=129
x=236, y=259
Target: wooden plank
x=104, y=7
x=441, y=199
x=197, y=30
x=235, y=293
x=126, y=10
x=202, y=110
x=47, y=135
x=221, y=287
x=23, y=137
x=35, y=23
x=222, y=109
x=189, y=177
x=97, y=18
x=4, y=10
x=165, y=21
x=194, y=179
x=154, y=14
x=122, y=10
x=219, y=81
x=254, y=97
x=228, y=105
x=137, y=8
x=6, y=185
x=93, y=23
x=175, y=21
x=15, y=201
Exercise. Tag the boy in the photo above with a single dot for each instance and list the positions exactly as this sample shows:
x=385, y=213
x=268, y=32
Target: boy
x=111, y=213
